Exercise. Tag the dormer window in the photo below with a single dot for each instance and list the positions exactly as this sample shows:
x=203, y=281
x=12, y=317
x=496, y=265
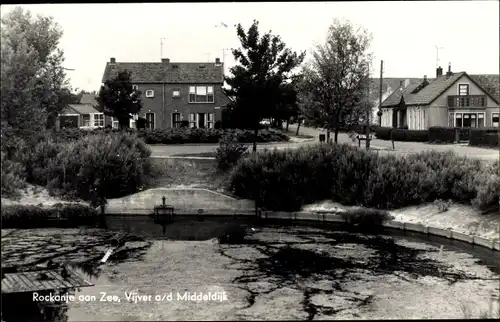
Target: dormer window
x=150, y=93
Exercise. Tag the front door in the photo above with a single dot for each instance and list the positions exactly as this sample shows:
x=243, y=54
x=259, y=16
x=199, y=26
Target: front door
x=201, y=120
x=176, y=120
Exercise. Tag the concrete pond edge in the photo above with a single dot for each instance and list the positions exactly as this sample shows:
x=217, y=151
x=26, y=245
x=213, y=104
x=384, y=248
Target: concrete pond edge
x=334, y=216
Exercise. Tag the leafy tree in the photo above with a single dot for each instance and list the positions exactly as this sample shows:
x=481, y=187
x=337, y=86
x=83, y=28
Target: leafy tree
x=335, y=81
x=117, y=98
x=258, y=82
x=33, y=82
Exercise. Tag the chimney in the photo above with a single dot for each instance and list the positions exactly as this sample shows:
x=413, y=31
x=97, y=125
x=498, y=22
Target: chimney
x=449, y=73
x=217, y=61
x=112, y=60
x=439, y=72
x=401, y=85
x=165, y=60
x=425, y=78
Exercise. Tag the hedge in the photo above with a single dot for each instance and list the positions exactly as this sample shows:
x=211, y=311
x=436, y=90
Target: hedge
x=287, y=180
x=59, y=215
x=441, y=134
x=182, y=135
x=384, y=133
x=487, y=137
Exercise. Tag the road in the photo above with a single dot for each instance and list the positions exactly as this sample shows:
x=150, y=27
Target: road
x=385, y=146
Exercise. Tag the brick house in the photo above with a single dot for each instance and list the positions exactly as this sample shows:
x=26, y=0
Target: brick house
x=175, y=92
x=453, y=99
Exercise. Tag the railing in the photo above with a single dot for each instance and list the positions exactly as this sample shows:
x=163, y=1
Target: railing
x=467, y=101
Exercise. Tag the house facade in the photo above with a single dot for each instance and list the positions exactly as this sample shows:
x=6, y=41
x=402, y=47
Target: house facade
x=83, y=115
x=453, y=100
x=175, y=92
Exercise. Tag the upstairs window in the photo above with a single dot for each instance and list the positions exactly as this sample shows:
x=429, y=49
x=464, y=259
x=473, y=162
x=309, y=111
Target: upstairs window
x=176, y=93
x=150, y=93
x=463, y=89
x=201, y=94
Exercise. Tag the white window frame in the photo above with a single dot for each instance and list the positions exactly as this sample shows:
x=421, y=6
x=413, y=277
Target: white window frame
x=176, y=93
x=468, y=89
x=209, y=90
x=147, y=122
x=484, y=119
x=95, y=121
x=83, y=120
x=192, y=120
x=493, y=115
x=210, y=123
x=469, y=114
x=113, y=121
x=150, y=93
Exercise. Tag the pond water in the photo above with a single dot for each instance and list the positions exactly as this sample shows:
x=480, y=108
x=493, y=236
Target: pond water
x=291, y=272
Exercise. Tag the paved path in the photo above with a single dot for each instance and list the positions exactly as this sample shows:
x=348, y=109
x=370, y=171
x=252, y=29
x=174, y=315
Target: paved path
x=400, y=147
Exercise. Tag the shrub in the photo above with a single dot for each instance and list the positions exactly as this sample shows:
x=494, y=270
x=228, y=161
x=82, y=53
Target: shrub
x=488, y=137
x=410, y=135
x=365, y=219
x=229, y=152
x=383, y=133
x=30, y=216
x=13, y=176
x=95, y=167
x=286, y=180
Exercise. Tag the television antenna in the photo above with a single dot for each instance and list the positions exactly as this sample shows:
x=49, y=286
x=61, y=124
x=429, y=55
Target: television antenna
x=437, y=55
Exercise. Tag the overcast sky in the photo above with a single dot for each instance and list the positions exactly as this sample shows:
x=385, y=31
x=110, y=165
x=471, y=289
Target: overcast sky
x=405, y=34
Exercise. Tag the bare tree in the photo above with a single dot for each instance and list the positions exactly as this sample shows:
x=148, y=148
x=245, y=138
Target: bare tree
x=336, y=78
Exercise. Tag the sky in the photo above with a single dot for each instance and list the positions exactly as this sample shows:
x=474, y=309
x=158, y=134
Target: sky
x=405, y=34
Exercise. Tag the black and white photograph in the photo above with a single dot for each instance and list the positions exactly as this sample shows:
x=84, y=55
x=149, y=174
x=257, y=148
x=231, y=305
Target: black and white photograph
x=250, y=161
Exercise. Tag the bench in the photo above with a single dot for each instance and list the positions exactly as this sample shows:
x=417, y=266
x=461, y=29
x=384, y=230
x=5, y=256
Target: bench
x=363, y=137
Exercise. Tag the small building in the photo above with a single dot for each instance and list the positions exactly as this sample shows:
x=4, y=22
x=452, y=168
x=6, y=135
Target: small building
x=175, y=92
x=83, y=115
x=453, y=99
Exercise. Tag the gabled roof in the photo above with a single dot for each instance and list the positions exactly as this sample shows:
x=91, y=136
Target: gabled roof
x=188, y=73
x=79, y=109
x=395, y=98
x=490, y=83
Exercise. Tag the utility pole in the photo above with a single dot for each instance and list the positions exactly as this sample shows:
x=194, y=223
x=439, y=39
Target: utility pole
x=437, y=55
x=368, y=109
x=161, y=47
x=379, y=113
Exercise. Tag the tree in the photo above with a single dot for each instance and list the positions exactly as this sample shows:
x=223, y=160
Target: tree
x=33, y=82
x=265, y=65
x=337, y=77
x=117, y=98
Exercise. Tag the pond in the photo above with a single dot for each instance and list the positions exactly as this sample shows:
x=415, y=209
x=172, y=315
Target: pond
x=282, y=272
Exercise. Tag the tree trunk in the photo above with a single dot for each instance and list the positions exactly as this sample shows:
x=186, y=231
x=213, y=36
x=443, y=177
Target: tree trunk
x=287, y=124
x=336, y=135
x=298, y=127
x=255, y=134
x=327, y=136
x=124, y=123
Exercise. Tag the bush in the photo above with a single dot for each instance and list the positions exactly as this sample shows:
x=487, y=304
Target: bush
x=13, y=176
x=95, y=167
x=383, y=133
x=410, y=135
x=30, y=216
x=487, y=137
x=286, y=180
x=365, y=219
x=195, y=135
x=229, y=152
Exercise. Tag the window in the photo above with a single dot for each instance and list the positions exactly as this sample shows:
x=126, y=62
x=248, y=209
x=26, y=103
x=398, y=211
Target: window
x=150, y=93
x=99, y=120
x=210, y=120
x=114, y=123
x=86, y=120
x=458, y=119
x=150, y=120
x=473, y=120
x=463, y=89
x=494, y=119
x=176, y=120
x=176, y=93
x=192, y=120
x=135, y=87
x=480, y=119
x=201, y=94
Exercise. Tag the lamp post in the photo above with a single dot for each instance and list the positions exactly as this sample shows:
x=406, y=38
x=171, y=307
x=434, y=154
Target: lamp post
x=368, y=108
